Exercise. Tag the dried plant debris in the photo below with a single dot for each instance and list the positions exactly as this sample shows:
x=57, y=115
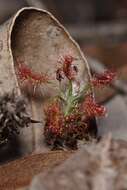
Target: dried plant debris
x=97, y=166
x=13, y=116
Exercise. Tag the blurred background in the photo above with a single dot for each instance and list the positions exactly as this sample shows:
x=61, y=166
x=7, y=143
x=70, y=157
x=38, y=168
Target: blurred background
x=99, y=26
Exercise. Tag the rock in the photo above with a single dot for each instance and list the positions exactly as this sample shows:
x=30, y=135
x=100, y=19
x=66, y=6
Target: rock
x=99, y=166
x=115, y=122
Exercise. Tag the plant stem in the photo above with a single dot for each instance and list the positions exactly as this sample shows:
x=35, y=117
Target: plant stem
x=72, y=100
x=68, y=108
x=69, y=103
